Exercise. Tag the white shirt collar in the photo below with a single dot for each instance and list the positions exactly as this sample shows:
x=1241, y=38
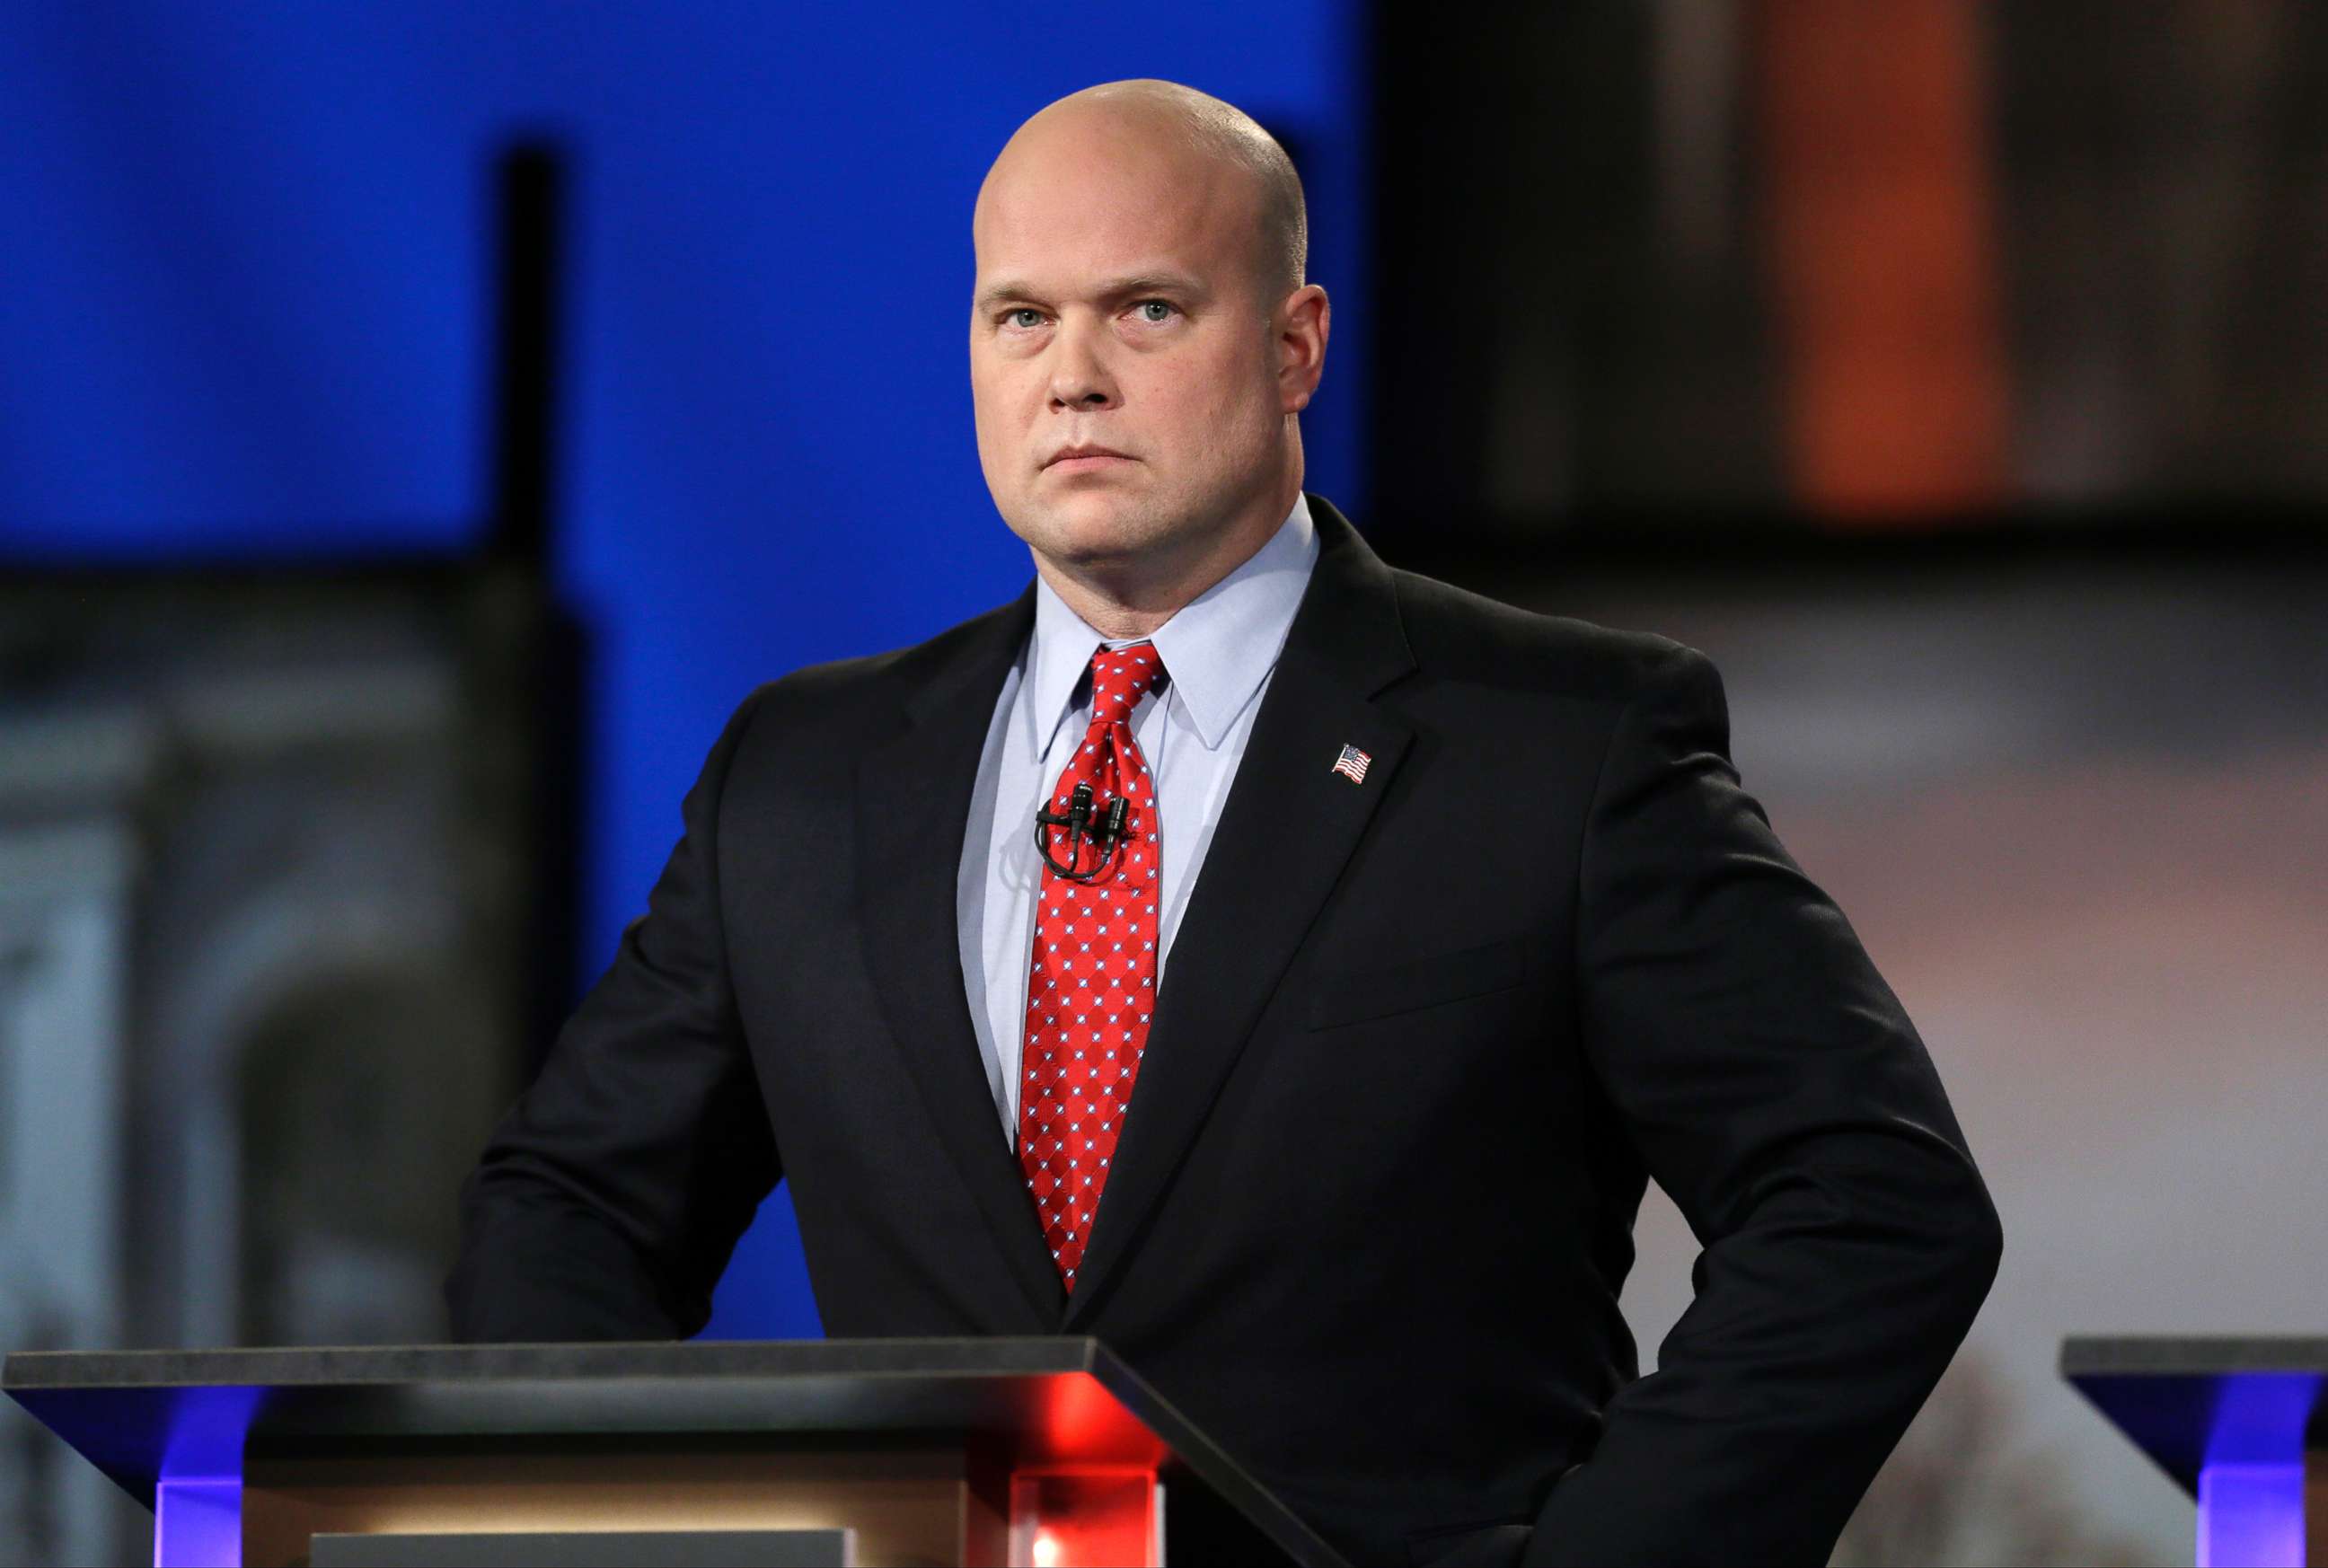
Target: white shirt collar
x=1216, y=649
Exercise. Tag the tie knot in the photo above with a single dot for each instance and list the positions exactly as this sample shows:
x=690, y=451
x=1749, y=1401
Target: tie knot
x=1121, y=677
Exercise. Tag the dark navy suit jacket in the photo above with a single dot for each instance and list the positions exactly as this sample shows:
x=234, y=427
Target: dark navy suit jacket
x=1425, y=1039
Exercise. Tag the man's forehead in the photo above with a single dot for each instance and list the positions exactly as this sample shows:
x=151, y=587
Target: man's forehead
x=1085, y=234
x=1086, y=188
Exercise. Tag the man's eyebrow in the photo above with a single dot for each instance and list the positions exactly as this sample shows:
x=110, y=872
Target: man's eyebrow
x=1151, y=282
x=996, y=293
x=1114, y=288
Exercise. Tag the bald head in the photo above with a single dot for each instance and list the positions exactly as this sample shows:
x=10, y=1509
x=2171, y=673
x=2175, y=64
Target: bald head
x=1142, y=344
x=1213, y=140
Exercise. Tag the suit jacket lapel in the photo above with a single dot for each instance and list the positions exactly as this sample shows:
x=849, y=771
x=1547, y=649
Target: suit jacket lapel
x=1287, y=828
x=913, y=794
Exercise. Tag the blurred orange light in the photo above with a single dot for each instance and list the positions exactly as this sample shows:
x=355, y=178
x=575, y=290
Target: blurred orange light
x=1884, y=257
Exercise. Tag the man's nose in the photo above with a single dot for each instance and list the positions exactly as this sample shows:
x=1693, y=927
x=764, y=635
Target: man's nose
x=1079, y=378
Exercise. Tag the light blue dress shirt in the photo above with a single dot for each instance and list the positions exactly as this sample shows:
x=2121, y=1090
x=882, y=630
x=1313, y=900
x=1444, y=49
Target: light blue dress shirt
x=1219, y=653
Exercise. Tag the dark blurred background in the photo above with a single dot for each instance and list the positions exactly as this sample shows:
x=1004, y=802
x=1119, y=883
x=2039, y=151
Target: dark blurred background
x=420, y=425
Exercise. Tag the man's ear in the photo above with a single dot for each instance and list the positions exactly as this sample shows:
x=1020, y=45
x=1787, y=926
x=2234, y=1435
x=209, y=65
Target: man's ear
x=1302, y=323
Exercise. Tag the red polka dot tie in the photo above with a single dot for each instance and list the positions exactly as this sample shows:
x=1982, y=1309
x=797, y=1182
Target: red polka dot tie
x=1092, y=987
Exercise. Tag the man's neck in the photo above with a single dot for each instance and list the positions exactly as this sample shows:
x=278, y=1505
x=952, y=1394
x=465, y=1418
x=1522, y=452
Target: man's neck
x=1131, y=605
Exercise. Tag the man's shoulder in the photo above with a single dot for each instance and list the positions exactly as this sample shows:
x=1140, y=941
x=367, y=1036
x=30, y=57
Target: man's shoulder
x=1461, y=636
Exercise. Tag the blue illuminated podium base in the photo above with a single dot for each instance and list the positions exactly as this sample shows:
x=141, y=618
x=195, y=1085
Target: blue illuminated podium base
x=2240, y=1423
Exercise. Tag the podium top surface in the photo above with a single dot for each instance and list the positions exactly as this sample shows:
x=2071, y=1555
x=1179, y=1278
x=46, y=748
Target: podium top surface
x=2190, y=1402
x=150, y=1416
x=317, y=1366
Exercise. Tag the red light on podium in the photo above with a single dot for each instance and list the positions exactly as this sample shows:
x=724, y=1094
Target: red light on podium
x=1074, y=1517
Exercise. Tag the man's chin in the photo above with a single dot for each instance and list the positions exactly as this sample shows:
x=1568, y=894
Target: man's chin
x=1098, y=528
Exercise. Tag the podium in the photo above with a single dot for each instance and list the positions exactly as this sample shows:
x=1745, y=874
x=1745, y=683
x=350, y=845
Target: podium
x=990, y=1450
x=2241, y=1423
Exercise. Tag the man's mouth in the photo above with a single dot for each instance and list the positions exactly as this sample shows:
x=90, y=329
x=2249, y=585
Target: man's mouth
x=1086, y=457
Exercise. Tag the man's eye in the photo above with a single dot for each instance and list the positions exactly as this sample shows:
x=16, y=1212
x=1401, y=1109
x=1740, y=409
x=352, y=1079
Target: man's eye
x=1025, y=318
x=1155, y=310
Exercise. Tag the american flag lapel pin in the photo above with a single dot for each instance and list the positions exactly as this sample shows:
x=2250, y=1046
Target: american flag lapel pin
x=1352, y=764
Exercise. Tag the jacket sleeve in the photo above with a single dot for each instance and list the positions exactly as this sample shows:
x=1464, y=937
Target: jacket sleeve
x=610, y=1197
x=1775, y=1088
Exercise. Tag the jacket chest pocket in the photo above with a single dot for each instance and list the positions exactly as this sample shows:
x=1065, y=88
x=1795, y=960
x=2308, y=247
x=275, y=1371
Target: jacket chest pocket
x=1352, y=996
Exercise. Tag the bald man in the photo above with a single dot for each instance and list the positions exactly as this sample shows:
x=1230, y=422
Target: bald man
x=1285, y=969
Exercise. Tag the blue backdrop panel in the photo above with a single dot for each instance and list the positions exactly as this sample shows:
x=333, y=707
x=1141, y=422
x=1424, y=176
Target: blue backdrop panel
x=244, y=281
